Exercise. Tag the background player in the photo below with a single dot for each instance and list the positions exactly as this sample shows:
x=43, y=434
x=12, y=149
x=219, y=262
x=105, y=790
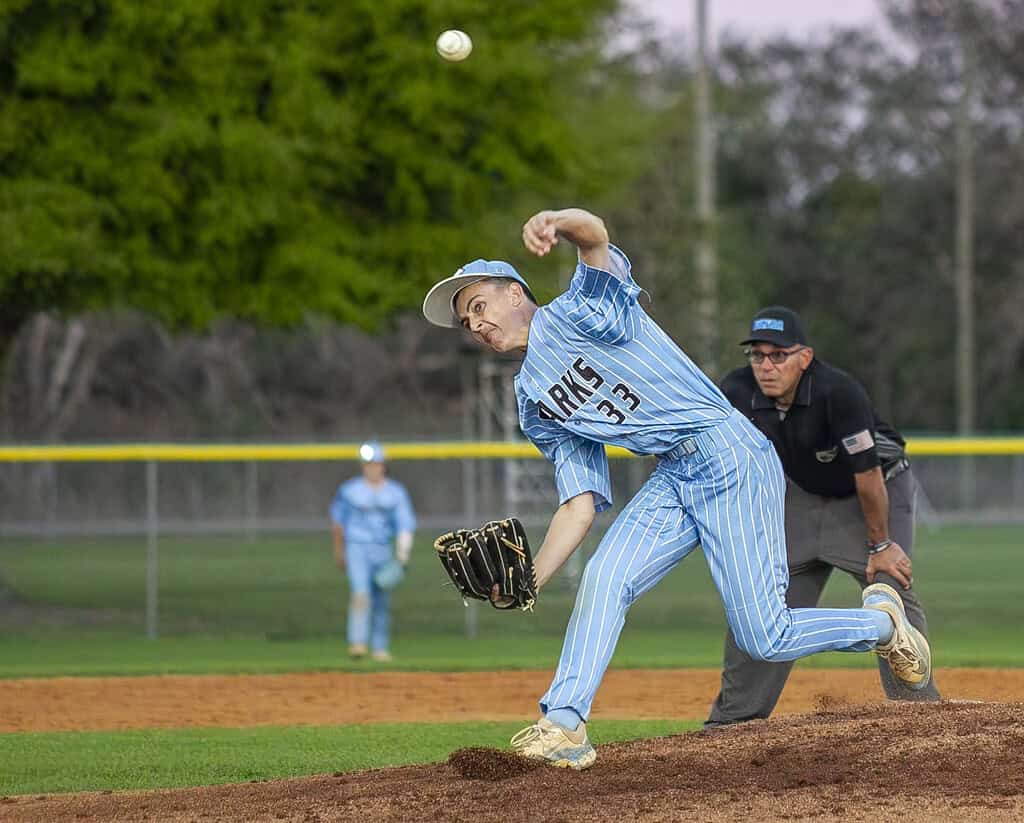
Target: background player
x=850, y=495
x=368, y=514
x=597, y=370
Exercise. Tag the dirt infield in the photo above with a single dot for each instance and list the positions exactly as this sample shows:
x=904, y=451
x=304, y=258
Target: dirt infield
x=827, y=756
x=334, y=698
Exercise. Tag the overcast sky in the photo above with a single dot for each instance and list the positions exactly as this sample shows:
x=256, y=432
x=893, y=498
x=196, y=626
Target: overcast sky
x=760, y=18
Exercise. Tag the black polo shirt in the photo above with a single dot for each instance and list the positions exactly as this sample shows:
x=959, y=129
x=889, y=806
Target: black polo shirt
x=829, y=433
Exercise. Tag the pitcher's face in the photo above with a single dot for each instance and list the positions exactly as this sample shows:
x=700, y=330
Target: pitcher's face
x=489, y=310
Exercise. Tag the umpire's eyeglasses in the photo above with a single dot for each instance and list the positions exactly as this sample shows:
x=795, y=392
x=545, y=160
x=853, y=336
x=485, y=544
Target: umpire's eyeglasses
x=778, y=357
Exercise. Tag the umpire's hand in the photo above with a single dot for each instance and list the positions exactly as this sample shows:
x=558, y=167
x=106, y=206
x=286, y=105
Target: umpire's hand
x=894, y=562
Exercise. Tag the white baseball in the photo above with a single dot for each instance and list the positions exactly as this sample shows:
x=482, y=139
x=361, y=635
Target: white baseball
x=454, y=45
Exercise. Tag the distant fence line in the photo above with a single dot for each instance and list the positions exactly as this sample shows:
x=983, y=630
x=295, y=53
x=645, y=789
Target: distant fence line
x=158, y=489
x=447, y=450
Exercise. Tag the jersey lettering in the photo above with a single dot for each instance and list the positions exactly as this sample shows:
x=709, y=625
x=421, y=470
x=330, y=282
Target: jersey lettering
x=580, y=392
x=587, y=373
x=561, y=398
x=559, y=392
x=545, y=413
x=577, y=385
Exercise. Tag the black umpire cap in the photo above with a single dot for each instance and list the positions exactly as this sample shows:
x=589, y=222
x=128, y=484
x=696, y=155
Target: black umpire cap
x=778, y=325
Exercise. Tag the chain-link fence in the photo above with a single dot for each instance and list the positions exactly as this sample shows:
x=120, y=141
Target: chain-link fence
x=258, y=496
x=154, y=535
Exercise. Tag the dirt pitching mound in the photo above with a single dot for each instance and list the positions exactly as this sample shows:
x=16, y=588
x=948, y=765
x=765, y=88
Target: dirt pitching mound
x=910, y=763
x=489, y=764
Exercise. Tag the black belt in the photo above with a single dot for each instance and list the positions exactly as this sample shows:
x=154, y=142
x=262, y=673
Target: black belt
x=896, y=469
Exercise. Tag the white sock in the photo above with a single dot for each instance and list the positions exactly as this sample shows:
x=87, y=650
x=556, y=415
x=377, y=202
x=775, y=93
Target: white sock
x=566, y=718
x=885, y=625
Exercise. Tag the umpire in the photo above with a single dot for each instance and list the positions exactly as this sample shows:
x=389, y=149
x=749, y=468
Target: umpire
x=850, y=495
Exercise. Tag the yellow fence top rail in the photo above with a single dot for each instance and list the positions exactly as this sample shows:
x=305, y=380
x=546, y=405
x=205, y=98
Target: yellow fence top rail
x=454, y=450
x=951, y=446
x=450, y=450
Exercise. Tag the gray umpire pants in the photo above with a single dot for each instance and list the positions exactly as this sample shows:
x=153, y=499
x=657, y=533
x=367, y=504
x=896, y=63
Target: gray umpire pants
x=822, y=534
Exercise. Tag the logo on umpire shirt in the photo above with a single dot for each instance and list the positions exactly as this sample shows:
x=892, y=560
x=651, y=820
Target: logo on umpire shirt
x=859, y=442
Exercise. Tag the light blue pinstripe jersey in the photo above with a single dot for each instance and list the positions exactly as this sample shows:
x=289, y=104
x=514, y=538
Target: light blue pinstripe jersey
x=372, y=514
x=598, y=370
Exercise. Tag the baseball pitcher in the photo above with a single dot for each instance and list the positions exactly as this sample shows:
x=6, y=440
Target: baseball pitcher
x=598, y=371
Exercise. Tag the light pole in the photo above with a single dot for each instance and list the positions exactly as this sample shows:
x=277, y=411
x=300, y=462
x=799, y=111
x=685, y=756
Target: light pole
x=704, y=159
x=966, y=395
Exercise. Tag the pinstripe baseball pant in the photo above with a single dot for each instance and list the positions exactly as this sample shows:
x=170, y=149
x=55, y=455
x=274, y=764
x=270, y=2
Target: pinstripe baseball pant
x=722, y=489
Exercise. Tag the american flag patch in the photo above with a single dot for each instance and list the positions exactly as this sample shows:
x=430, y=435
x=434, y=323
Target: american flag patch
x=859, y=442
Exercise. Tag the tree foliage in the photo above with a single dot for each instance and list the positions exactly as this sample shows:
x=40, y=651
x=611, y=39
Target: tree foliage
x=270, y=158
x=836, y=175
x=845, y=149
x=274, y=159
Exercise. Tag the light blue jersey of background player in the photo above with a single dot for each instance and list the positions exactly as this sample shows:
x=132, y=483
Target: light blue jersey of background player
x=370, y=514
x=599, y=371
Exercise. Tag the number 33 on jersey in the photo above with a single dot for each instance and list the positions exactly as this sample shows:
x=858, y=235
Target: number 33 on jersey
x=575, y=389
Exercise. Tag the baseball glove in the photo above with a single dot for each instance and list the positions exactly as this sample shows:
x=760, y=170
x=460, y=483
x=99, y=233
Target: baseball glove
x=497, y=553
x=389, y=575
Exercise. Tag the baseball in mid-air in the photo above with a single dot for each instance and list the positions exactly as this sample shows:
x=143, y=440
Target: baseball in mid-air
x=454, y=45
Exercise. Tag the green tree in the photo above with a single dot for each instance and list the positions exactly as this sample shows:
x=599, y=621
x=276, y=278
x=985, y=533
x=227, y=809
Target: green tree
x=268, y=159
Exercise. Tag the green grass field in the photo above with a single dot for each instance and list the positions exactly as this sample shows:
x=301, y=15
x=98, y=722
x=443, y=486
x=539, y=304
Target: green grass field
x=75, y=761
x=273, y=605
x=280, y=602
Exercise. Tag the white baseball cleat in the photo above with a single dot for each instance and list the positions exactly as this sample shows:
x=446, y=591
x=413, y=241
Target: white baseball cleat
x=557, y=745
x=907, y=652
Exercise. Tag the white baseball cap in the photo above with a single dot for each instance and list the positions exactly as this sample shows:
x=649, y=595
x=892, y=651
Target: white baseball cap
x=439, y=304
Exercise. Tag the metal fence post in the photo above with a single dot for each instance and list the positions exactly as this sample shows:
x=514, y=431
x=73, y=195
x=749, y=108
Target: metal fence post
x=470, y=473
x=152, y=552
x=252, y=499
x=52, y=497
x=1017, y=495
x=968, y=484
